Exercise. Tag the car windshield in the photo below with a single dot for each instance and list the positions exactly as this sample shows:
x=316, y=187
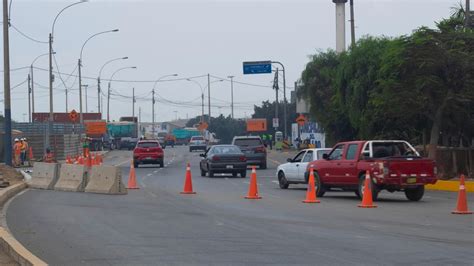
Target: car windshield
x=391, y=149
x=225, y=149
x=248, y=142
x=148, y=144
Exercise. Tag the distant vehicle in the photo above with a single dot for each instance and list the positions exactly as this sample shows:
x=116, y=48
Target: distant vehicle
x=162, y=142
x=393, y=165
x=148, y=152
x=224, y=159
x=197, y=143
x=170, y=140
x=124, y=133
x=183, y=135
x=293, y=172
x=96, y=131
x=253, y=148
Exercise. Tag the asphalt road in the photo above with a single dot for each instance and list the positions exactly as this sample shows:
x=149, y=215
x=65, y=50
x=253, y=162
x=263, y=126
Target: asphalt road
x=156, y=225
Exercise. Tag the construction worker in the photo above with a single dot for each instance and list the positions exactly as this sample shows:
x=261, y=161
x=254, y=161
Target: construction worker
x=264, y=139
x=49, y=156
x=24, y=149
x=270, y=141
x=16, y=152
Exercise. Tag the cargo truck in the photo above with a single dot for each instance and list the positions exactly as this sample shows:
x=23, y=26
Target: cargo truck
x=183, y=135
x=96, y=131
x=124, y=134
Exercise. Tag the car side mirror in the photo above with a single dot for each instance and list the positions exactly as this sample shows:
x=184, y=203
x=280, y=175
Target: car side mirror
x=202, y=155
x=289, y=160
x=326, y=156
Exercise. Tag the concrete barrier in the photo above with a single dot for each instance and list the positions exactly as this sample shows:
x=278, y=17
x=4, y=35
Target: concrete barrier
x=105, y=180
x=72, y=177
x=44, y=176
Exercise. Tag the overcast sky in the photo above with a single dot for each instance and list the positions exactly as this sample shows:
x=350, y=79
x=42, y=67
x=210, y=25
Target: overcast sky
x=190, y=38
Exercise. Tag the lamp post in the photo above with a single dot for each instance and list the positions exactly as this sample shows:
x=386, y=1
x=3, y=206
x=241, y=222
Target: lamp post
x=79, y=65
x=51, y=77
x=98, y=80
x=32, y=87
x=153, y=101
x=231, y=95
x=284, y=98
x=108, y=90
x=202, y=98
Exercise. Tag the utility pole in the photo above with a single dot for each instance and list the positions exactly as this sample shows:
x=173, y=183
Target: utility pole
x=133, y=103
x=85, y=90
x=153, y=112
x=29, y=98
x=202, y=100
x=108, y=103
x=32, y=92
x=231, y=96
x=467, y=15
x=353, y=23
x=67, y=93
x=81, y=117
x=209, y=96
x=98, y=95
x=49, y=128
x=6, y=86
x=139, y=121
x=284, y=97
x=276, y=88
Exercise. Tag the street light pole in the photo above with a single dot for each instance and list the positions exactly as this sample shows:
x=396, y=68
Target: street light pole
x=133, y=103
x=51, y=77
x=153, y=100
x=33, y=82
x=29, y=98
x=99, y=96
x=209, y=96
x=284, y=99
x=81, y=118
x=232, y=95
x=6, y=86
x=108, y=91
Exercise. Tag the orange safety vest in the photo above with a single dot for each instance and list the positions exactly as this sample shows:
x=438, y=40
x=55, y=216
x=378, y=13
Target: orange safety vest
x=17, y=148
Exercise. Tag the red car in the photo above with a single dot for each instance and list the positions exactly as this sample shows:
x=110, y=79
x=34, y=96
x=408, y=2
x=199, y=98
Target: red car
x=148, y=152
x=393, y=165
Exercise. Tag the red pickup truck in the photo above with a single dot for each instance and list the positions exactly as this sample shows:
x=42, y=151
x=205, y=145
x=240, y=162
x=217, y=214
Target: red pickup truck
x=394, y=165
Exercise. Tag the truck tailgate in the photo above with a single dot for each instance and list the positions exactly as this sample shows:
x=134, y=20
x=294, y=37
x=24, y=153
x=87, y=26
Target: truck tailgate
x=411, y=171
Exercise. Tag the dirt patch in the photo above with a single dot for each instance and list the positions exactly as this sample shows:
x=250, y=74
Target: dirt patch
x=10, y=174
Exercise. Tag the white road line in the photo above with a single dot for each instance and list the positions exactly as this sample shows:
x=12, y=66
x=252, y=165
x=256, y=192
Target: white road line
x=276, y=182
x=156, y=171
x=149, y=175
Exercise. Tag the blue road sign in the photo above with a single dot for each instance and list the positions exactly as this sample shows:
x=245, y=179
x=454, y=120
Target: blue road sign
x=257, y=67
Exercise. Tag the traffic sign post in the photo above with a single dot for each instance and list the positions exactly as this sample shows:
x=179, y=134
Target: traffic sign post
x=257, y=67
x=276, y=123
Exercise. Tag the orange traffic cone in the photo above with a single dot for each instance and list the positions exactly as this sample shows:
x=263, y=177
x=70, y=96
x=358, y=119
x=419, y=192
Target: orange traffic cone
x=68, y=160
x=311, y=191
x=80, y=160
x=367, y=201
x=188, y=182
x=30, y=154
x=89, y=161
x=253, y=187
x=132, y=178
x=462, y=199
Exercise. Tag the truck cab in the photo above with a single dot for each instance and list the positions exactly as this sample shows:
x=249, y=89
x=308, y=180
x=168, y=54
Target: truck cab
x=393, y=165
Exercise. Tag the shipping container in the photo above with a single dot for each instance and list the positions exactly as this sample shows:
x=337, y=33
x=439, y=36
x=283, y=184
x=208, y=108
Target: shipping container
x=64, y=117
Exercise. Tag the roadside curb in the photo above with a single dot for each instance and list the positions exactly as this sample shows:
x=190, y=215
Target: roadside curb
x=8, y=243
x=453, y=186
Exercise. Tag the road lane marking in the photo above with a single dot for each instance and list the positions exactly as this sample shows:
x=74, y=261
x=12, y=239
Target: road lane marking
x=149, y=175
x=276, y=182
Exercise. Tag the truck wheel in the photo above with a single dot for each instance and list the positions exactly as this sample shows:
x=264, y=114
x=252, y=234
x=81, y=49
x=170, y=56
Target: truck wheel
x=282, y=182
x=415, y=194
x=320, y=189
x=243, y=174
x=375, y=191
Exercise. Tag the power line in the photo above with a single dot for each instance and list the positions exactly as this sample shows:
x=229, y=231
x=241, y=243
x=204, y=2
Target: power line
x=26, y=36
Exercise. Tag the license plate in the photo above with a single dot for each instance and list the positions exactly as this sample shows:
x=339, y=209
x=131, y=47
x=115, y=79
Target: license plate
x=411, y=180
x=230, y=167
